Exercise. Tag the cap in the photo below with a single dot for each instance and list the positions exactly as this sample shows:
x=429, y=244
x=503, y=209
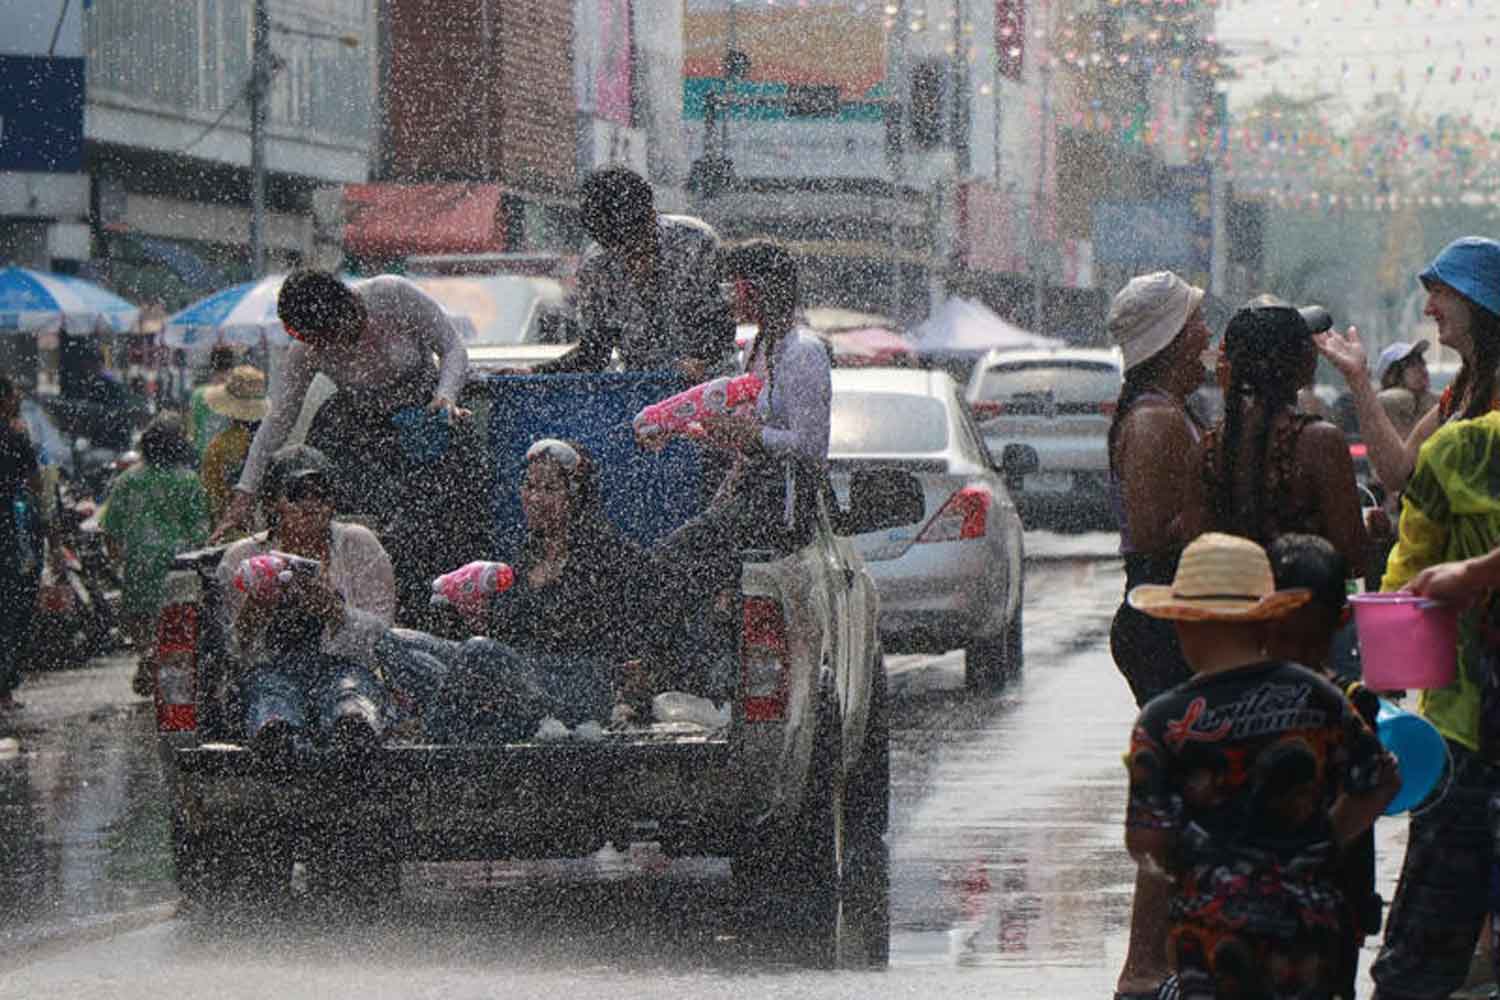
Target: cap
x=1470, y=266
x=1316, y=318
x=1148, y=314
x=1394, y=354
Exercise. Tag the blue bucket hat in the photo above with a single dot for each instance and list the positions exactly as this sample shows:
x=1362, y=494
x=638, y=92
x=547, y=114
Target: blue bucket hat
x=1471, y=267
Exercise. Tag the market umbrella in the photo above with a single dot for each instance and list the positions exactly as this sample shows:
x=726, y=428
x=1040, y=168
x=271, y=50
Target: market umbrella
x=43, y=302
x=242, y=315
x=964, y=326
x=245, y=315
x=871, y=345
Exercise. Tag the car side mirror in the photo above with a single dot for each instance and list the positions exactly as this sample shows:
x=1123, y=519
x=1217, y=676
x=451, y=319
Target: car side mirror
x=1017, y=462
x=881, y=499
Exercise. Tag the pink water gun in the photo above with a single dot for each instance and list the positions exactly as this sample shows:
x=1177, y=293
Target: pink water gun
x=469, y=588
x=682, y=413
x=262, y=577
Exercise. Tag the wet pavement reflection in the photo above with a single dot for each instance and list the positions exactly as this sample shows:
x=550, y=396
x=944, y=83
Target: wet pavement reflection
x=1004, y=868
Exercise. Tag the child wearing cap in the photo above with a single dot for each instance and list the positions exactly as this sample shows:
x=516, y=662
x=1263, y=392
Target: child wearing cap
x=1246, y=782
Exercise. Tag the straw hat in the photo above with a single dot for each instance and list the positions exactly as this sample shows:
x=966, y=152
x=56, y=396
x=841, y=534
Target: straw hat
x=1148, y=314
x=241, y=397
x=1221, y=578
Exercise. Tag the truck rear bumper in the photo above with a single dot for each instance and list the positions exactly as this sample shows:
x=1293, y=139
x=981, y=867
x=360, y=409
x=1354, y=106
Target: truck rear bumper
x=472, y=802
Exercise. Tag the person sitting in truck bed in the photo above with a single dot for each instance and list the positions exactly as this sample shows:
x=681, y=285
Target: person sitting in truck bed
x=307, y=637
x=557, y=641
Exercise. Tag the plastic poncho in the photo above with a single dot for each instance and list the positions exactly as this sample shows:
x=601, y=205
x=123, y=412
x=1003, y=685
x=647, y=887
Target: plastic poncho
x=1451, y=511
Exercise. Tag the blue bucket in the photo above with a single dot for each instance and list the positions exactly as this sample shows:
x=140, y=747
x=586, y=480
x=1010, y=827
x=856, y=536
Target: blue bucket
x=1418, y=747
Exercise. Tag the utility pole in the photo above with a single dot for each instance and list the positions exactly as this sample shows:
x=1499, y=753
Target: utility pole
x=1038, y=272
x=260, y=85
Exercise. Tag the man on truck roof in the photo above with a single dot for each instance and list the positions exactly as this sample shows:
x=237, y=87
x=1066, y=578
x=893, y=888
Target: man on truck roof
x=650, y=290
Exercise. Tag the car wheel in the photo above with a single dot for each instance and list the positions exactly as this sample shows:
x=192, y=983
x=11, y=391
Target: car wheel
x=869, y=796
x=246, y=865
x=984, y=664
x=345, y=867
x=1015, y=653
x=804, y=864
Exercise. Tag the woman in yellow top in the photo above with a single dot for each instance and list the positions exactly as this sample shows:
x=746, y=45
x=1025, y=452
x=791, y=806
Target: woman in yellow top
x=240, y=399
x=1449, y=512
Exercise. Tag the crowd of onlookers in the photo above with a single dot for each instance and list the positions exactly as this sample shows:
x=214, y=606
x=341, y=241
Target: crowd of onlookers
x=1255, y=776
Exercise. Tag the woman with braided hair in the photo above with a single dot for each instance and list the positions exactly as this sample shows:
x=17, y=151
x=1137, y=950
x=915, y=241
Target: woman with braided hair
x=1267, y=469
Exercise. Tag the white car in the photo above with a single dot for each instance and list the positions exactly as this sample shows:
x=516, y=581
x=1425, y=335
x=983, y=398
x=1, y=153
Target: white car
x=1060, y=403
x=949, y=572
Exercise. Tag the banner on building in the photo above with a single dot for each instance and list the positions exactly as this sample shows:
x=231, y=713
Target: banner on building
x=41, y=114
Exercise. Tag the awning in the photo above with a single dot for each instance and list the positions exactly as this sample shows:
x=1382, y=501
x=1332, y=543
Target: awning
x=397, y=220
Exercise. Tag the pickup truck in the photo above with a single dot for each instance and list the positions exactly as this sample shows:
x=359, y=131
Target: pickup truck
x=799, y=773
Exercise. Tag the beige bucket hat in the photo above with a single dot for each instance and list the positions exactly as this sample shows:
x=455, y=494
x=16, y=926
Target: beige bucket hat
x=241, y=397
x=1222, y=578
x=1148, y=314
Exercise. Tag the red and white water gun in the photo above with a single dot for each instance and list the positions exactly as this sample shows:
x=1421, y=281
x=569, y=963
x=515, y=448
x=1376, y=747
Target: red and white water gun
x=684, y=412
x=262, y=577
x=469, y=588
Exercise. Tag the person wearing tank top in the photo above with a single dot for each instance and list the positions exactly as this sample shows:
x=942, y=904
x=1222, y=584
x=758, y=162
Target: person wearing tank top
x=1268, y=470
x=1157, y=322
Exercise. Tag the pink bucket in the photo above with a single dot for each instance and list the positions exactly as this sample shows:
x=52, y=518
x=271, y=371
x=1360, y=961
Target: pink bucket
x=1405, y=641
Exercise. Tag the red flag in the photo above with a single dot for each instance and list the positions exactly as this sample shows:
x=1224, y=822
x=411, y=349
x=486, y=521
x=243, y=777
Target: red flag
x=1010, y=36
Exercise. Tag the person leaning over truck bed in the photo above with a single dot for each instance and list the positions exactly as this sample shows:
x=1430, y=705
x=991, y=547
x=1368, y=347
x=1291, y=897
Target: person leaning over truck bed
x=406, y=452
x=306, y=642
x=651, y=290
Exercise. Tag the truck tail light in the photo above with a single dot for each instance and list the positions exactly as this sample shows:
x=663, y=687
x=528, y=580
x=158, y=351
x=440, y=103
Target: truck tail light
x=763, y=655
x=963, y=516
x=987, y=409
x=177, y=668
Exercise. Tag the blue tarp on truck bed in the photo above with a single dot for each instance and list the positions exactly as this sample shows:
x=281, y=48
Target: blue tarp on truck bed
x=646, y=495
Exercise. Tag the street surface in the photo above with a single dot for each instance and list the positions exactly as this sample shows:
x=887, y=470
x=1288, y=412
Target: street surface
x=1006, y=872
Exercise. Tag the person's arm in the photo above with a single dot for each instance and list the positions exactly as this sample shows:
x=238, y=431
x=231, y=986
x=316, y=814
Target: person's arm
x=1353, y=813
x=286, y=407
x=1461, y=583
x=244, y=620
x=429, y=325
x=1161, y=477
x=1391, y=456
x=806, y=386
x=1321, y=448
x=1369, y=776
x=1153, y=812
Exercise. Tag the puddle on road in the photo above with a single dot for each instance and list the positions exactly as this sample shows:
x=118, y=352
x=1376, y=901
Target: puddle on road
x=83, y=822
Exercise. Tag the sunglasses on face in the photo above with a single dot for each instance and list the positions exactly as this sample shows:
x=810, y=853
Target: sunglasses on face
x=304, y=488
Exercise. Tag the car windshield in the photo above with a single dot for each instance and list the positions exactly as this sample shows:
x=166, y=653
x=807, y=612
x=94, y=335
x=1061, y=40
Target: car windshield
x=887, y=423
x=1067, y=381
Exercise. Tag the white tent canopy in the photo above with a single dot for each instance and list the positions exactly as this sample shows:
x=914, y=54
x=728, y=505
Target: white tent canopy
x=963, y=326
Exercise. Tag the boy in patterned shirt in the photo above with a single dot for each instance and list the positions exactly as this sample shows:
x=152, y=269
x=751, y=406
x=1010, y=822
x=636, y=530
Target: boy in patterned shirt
x=1246, y=783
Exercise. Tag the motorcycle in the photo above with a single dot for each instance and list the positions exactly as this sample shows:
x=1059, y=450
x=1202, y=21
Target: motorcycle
x=77, y=605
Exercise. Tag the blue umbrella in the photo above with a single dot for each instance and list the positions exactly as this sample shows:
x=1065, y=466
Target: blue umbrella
x=42, y=302
x=243, y=314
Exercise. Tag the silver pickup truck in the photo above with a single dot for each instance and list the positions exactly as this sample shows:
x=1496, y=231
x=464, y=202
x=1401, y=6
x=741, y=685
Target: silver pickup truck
x=800, y=771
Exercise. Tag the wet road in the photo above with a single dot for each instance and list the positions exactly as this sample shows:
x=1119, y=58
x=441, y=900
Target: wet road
x=1004, y=872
